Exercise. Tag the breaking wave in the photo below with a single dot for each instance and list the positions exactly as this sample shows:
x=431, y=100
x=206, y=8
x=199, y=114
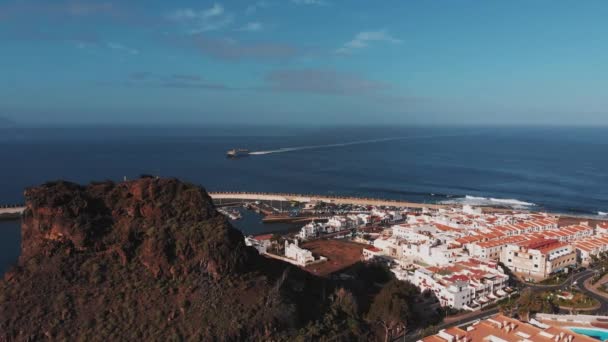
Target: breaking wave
x=601, y=213
x=489, y=201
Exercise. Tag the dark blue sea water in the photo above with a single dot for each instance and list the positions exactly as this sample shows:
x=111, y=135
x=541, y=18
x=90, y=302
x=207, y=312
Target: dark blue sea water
x=557, y=169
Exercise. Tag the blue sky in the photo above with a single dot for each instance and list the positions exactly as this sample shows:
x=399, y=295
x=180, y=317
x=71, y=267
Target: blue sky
x=304, y=61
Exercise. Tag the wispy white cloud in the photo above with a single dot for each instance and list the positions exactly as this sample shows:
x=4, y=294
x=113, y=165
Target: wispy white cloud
x=197, y=21
x=310, y=2
x=364, y=38
x=252, y=9
x=253, y=26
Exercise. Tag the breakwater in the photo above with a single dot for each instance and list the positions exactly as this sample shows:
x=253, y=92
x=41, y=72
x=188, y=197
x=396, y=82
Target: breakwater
x=265, y=196
x=11, y=212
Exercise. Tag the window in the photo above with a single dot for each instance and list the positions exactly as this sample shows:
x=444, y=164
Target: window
x=530, y=257
x=509, y=260
x=515, y=253
x=536, y=266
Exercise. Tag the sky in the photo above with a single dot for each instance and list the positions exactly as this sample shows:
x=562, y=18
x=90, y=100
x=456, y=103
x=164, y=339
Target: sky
x=390, y=62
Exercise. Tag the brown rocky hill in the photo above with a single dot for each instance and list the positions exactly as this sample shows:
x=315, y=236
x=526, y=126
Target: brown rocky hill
x=149, y=259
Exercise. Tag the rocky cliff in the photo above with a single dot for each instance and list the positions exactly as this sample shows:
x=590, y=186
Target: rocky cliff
x=167, y=226
x=147, y=259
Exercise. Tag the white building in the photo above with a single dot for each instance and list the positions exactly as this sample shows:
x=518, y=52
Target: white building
x=372, y=252
x=567, y=234
x=538, y=258
x=592, y=246
x=492, y=249
x=260, y=242
x=469, y=285
x=396, y=216
x=601, y=228
x=311, y=230
x=407, y=232
x=469, y=209
x=300, y=256
x=441, y=254
x=426, y=248
x=336, y=223
x=364, y=219
x=390, y=246
x=355, y=220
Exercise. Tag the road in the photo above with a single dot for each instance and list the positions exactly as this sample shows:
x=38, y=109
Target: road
x=603, y=310
x=573, y=278
x=577, y=281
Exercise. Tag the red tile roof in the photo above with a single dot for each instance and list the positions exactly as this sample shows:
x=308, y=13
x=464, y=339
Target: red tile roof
x=263, y=237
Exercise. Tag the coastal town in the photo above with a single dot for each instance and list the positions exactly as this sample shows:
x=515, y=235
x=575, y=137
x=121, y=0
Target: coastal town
x=490, y=271
x=303, y=171
x=472, y=259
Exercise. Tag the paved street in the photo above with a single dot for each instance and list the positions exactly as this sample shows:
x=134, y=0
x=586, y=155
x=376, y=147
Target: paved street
x=603, y=310
x=576, y=280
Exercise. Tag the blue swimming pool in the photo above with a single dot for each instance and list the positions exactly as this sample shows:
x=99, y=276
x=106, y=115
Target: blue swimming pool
x=598, y=334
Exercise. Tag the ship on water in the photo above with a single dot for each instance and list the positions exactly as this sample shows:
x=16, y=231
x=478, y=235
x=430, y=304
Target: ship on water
x=237, y=152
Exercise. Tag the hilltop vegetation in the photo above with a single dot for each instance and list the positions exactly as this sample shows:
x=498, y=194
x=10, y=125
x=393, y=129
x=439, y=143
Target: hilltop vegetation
x=152, y=260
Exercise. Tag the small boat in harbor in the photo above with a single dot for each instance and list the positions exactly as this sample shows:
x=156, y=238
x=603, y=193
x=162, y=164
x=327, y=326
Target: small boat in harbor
x=231, y=214
x=234, y=215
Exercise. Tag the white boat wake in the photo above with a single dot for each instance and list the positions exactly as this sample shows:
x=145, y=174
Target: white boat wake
x=311, y=147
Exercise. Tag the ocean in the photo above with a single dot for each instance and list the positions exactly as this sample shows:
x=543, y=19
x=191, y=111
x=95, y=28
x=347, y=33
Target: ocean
x=545, y=168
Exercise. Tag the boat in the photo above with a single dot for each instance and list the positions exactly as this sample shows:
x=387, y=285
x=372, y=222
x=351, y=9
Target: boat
x=234, y=215
x=231, y=214
x=237, y=152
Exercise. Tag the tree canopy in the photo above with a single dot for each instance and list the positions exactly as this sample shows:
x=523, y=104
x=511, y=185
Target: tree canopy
x=392, y=307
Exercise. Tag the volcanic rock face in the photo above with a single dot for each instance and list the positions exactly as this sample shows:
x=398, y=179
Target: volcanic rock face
x=156, y=221
x=149, y=259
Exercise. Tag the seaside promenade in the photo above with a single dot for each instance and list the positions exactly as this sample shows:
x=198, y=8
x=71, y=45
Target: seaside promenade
x=265, y=196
